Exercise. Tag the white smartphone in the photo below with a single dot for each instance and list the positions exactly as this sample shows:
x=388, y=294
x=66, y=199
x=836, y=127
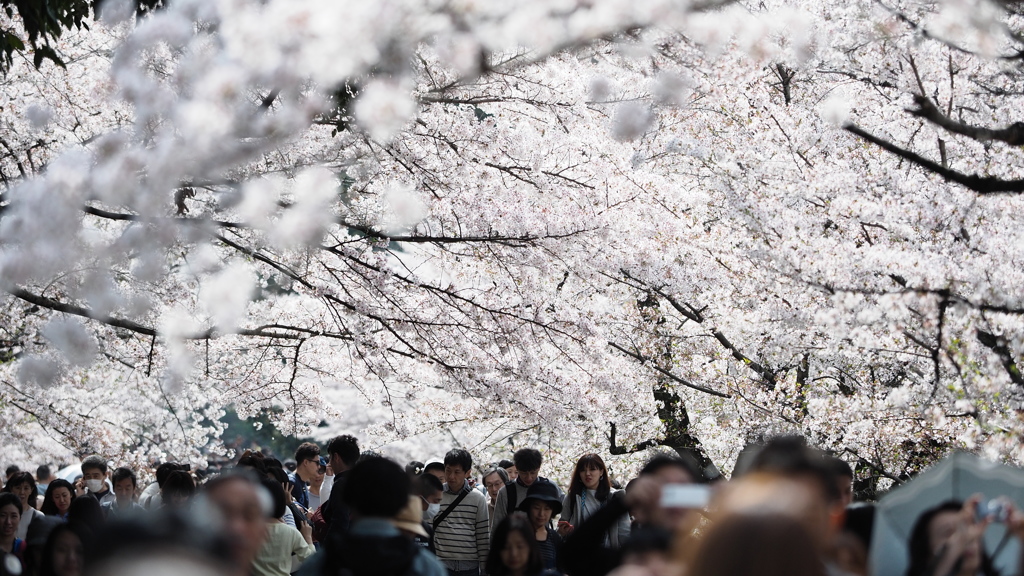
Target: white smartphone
x=685, y=496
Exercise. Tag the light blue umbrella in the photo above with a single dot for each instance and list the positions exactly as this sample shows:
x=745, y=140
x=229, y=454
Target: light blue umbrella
x=958, y=477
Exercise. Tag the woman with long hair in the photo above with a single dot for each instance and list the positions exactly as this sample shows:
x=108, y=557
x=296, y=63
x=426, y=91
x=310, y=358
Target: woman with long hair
x=178, y=489
x=589, y=490
x=57, y=500
x=64, y=552
x=283, y=542
x=514, y=550
x=22, y=485
x=947, y=541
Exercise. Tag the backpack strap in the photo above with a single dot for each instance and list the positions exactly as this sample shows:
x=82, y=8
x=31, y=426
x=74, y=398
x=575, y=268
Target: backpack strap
x=451, y=507
x=510, y=493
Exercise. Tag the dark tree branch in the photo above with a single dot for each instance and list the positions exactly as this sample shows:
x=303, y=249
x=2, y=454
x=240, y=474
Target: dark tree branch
x=1012, y=134
x=131, y=325
x=615, y=450
x=697, y=315
x=513, y=241
x=645, y=360
x=997, y=345
x=980, y=184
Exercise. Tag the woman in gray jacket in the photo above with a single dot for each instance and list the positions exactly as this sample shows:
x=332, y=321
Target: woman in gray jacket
x=589, y=490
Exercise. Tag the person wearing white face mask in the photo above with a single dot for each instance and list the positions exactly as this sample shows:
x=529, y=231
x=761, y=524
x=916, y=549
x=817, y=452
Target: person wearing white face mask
x=94, y=481
x=429, y=489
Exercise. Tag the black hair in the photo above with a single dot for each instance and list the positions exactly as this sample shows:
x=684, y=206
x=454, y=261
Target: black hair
x=278, y=475
x=178, y=482
x=42, y=472
x=377, y=487
x=122, y=474
x=164, y=470
x=427, y=484
x=920, y=548
x=277, y=495
x=528, y=459
x=860, y=522
x=516, y=523
x=586, y=462
x=506, y=464
x=346, y=447
x=12, y=469
x=839, y=466
x=368, y=455
x=20, y=478
x=459, y=457
x=414, y=468
x=86, y=511
x=48, y=507
x=255, y=460
x=439, y=466
x=94, y=462
x=9, y=499
x=791, y=456
x=307, y=451
x=659, y=461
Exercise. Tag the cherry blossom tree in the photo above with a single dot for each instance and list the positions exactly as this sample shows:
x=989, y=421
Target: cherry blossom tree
x=584, y=225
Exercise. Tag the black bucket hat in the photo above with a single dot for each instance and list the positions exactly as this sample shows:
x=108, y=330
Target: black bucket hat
x=545, y=491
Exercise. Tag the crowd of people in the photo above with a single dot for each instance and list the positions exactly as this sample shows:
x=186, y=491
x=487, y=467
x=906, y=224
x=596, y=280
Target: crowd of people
x=786, y=511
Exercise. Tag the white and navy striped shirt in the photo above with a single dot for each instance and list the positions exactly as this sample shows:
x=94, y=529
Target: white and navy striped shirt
x=462, y=539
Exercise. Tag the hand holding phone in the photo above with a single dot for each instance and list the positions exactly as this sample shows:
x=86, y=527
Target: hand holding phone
x=564, y=528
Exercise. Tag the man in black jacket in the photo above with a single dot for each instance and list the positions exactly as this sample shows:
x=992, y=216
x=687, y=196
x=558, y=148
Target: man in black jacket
x=343, y=452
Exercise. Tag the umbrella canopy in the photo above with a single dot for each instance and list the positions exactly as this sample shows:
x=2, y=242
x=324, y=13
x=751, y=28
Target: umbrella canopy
x=958, y=477
x=69, y=473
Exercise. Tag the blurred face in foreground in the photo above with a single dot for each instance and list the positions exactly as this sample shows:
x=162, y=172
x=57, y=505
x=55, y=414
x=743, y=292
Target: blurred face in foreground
x=795, y=498
x=68, y=554
x=241, y=511
x=942, y=528
x=516, y=553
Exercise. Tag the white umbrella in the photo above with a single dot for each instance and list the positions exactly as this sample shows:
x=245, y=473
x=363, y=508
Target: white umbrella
x=958, y=477
x=69, y=473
